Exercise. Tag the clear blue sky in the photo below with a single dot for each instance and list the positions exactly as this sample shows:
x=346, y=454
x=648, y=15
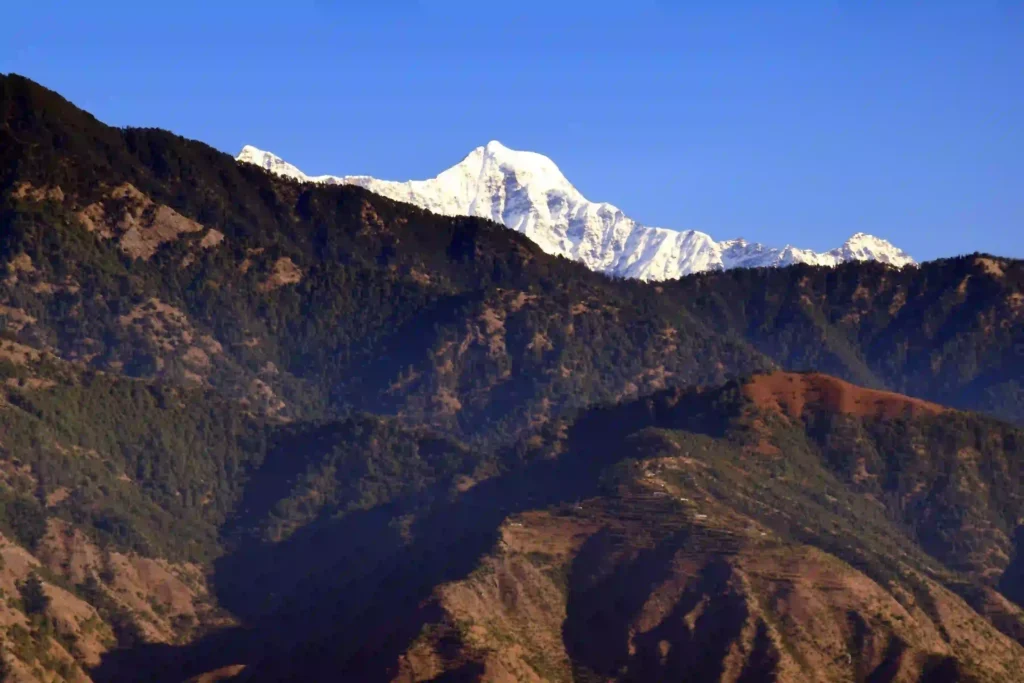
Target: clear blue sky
x=803, y=122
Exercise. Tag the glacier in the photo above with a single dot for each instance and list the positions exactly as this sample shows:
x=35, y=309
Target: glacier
x=527, y=192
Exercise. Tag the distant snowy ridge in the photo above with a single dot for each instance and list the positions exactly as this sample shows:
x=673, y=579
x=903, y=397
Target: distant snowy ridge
x=526, y=192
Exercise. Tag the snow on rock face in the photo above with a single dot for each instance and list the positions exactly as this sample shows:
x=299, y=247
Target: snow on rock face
x=270, y=162
x=528, y=193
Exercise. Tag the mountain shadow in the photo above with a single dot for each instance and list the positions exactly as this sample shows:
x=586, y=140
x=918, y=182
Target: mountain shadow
x=344, y=598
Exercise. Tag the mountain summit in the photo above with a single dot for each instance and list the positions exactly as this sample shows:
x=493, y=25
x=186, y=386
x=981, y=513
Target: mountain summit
x=527, y=192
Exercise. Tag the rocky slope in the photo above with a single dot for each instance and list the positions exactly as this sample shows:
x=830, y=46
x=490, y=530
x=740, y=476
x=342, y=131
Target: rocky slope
x=528, y=193
x=788, y=527
x=778, y=547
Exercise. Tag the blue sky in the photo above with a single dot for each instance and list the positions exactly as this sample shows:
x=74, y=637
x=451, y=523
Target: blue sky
x=798, y=122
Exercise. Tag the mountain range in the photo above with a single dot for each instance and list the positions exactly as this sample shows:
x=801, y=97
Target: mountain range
x=254, y=428
x=527, y=192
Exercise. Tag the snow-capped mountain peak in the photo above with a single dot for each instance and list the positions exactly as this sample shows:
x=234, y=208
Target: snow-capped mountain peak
x=270, y=162
x=527, y=192
x=864, y=247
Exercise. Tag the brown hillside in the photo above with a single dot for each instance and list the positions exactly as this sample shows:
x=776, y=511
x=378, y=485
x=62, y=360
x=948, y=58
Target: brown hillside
x=792, y=393
x=720, y=601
